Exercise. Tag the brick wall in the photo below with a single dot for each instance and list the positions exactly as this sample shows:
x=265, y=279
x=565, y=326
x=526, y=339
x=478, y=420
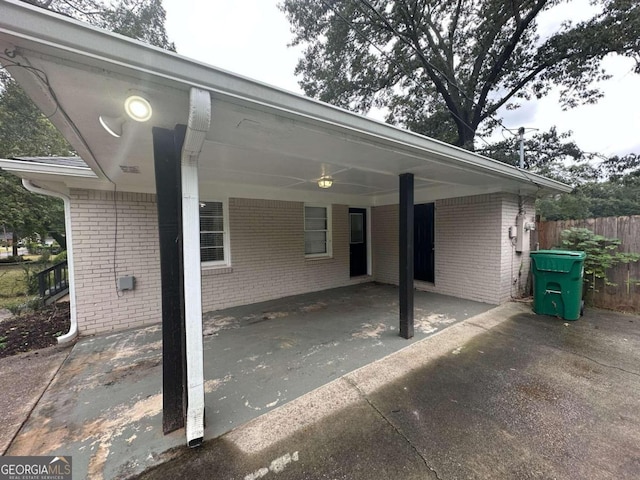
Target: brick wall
x=514, y=266
x=474, y=256
x=385, y=223
x=267, y=252
x=100, y=307
x=473, y=252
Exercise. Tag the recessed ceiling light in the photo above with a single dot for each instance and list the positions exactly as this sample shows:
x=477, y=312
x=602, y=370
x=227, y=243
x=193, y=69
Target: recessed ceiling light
x=138, y=108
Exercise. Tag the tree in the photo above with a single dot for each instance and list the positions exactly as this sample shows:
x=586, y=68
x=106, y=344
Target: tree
x=26, y=214
x=140, y=19
x=25, y=131
x=445, y=68
x=552, y=154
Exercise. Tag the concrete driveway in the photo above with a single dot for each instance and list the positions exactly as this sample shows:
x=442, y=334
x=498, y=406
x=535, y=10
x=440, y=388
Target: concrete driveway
x=506, y=394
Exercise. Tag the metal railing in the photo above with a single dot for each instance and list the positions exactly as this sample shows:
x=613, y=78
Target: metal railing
x=53, y=281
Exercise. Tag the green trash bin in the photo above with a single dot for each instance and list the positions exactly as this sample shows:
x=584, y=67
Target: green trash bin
x=557, y=283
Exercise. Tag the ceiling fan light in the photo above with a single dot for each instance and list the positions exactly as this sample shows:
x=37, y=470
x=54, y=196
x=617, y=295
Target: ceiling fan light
x=325, y=182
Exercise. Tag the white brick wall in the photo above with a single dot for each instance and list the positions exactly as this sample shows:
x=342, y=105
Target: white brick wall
x=473, y=255
x=100, y=307
x=514, y=266
x=267, y=252
x=473, y=252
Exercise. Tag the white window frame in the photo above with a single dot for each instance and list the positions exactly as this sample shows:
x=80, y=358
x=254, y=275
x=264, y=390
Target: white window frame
x=225, y=236
x=328, y=209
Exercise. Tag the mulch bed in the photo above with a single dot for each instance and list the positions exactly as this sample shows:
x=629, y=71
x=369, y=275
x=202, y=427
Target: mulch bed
x=34, y=330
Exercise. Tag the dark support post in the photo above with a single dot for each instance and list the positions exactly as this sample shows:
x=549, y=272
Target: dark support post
x=167, y=145
x=406, y=255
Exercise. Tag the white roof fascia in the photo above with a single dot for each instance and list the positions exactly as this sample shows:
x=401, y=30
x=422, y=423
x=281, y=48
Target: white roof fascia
x=95, y=46
x=46, y=168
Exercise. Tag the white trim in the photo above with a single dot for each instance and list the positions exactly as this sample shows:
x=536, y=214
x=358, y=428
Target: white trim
x=329, y=240
x=73, y=328
x=46, y=168
x=198, y=123
x=226, y=236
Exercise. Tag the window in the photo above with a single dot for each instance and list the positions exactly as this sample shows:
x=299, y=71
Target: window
x=317, y=231
x=212, y=233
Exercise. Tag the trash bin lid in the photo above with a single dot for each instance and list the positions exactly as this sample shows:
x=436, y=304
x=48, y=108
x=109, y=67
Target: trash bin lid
x=559, y=253
x=560, y=261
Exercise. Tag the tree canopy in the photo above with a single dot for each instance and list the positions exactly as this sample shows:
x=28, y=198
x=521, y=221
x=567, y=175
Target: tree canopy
x=140, y=19
x=25, y=131
x=445, y=68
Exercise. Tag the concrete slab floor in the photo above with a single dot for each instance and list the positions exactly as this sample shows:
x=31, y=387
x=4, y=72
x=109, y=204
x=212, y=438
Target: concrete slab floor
x=104, y=406
x=25, y=378
x=506, y=394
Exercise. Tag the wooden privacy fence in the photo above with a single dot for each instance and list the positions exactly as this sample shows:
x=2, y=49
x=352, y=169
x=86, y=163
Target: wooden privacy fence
x=625, y=295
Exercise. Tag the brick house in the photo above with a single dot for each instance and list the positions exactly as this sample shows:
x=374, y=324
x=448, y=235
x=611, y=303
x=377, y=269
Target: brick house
x=240, y=165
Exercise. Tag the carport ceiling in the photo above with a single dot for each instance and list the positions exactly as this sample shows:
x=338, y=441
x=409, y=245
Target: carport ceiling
x=260, y=136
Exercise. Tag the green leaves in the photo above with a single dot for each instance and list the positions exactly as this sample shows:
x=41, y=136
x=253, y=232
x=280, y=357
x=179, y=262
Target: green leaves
x=466, y=58
x=26, y=131
x=602, y=253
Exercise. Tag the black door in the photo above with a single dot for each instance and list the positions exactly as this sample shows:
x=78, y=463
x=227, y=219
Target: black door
x=423, y=236
x=358, y=241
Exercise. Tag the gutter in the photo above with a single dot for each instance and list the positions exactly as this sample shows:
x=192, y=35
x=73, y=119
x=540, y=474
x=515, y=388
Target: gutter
x=73, y=330
x=197, y=127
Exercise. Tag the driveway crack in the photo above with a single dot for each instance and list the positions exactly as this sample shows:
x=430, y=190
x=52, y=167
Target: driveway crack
x=602, y=364
x=586, y=357
x=390, y=423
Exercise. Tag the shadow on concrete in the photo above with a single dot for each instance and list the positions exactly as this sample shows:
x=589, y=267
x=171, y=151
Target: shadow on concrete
x=104, y=406
x=507, y=394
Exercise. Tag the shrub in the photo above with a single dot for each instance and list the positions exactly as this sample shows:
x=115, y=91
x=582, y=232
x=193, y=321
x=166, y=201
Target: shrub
x=45, y=255
x=602, y=254
x=32, y=304
x=61, y=257
x=12, y=259
x=30, y=273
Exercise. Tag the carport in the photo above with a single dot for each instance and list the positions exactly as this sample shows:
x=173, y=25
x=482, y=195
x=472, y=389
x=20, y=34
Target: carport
x=104, y=406
x=207, y=132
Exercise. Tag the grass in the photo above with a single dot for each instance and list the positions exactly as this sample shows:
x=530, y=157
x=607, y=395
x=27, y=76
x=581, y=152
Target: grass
x=12, y=285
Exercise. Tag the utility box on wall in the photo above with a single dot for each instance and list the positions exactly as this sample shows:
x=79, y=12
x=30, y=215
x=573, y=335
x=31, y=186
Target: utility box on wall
x=523, y=229
x=126, y=283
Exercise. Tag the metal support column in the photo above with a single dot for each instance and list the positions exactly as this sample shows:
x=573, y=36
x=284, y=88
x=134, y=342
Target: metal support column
x=406, y=255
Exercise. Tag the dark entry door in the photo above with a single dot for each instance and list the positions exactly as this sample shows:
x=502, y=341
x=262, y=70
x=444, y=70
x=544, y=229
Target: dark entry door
x=423, y=238
x=358, y=241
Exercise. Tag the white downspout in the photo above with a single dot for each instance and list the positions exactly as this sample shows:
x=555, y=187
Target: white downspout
x=197, y=128
x=73, y=329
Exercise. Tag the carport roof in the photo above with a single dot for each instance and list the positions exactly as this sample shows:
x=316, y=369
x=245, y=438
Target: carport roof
x=263, y=141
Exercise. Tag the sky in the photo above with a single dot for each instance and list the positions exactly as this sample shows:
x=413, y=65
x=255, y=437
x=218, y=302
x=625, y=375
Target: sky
x=251, y=37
